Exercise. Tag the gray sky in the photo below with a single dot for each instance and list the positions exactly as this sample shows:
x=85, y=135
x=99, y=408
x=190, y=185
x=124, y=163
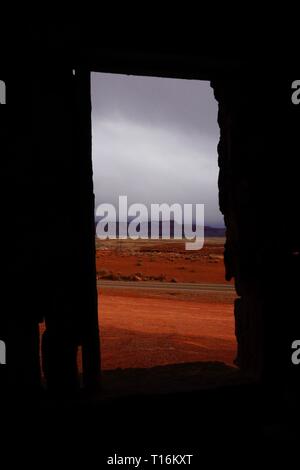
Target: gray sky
x=155, y=140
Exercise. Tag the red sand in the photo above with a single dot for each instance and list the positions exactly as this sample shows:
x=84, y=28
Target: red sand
x=141, y=328
x=148, y=331
x=167, y=258
x=145, y=328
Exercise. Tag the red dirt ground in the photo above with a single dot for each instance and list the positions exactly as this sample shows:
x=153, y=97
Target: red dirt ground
x=145, y=329
x=161, y=258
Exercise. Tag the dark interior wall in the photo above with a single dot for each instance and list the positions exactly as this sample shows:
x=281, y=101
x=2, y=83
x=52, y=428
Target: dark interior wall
x=19, y=312
x=47, y=216
x=68, y=211
x=48, y=222
x=259, y=197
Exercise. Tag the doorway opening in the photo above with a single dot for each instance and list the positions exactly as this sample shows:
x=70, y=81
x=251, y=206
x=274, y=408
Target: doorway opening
x=161, y=307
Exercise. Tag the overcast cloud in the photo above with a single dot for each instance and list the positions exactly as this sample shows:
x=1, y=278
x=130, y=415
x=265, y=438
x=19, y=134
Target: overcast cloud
x=155, y=140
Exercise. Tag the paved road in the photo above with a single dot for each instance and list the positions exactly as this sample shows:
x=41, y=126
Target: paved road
x=167, y=286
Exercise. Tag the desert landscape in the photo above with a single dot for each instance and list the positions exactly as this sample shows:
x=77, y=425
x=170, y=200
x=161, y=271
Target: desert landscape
x=159, y=304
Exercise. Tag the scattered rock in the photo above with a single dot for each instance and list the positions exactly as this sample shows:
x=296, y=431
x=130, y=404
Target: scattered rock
x=102, y=272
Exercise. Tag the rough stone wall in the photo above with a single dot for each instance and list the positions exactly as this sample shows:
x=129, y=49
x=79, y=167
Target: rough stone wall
x=48, y=223
x=258, y=195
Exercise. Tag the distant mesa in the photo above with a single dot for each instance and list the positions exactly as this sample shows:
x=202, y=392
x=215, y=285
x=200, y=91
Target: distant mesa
x=214, y=231
x=146, y=228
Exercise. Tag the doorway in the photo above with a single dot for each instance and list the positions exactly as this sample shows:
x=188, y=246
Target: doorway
x=160, y=305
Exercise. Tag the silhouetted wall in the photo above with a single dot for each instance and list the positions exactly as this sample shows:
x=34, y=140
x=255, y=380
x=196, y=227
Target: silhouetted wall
x=259, y=197
x=47, y=199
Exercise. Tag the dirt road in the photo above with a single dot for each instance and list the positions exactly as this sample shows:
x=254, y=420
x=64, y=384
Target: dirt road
x=167, y=286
